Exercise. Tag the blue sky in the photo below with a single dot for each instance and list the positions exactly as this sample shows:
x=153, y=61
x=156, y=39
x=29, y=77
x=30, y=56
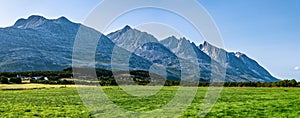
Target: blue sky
x=266, y=30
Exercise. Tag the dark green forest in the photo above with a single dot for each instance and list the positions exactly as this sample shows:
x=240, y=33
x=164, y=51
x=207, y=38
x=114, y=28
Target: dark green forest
x=107, y=78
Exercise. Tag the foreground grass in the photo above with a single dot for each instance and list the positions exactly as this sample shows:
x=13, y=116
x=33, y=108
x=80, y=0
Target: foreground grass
x=55, y=102
x=253, y=102
x=233, y=102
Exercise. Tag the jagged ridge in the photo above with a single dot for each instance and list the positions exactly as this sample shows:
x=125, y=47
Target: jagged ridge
x=37, y=44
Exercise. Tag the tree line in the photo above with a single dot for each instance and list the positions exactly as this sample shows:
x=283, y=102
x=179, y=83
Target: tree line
x=281, y=83
x=108, y=78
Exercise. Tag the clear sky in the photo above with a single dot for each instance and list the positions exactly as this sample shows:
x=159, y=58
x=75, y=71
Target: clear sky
x=266, y=30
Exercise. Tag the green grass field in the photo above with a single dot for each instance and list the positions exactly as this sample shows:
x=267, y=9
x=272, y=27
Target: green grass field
x=57, y=101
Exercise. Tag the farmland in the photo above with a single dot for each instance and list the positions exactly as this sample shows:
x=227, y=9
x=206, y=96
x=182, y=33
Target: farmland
x=64, y=101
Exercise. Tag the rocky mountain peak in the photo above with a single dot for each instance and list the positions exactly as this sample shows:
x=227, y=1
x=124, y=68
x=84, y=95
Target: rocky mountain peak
x=31, y=22
x=36, y=21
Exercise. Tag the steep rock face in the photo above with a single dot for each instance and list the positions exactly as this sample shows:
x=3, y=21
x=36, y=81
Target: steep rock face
x=188, y=51
x=170, y=42
x=255, y=67
x=130, y=39
x=40, y=44
x=37, y=43
x=160, y=55
x=157, y=53
x=147, y=46
x=239, y=67
x=33, y=22
x=171, y=52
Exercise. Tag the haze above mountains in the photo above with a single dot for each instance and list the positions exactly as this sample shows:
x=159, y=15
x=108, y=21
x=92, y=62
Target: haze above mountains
x=40, y=44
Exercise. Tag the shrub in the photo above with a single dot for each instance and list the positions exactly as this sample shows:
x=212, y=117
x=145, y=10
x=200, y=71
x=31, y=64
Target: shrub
x=4, y=80
x=15, y=80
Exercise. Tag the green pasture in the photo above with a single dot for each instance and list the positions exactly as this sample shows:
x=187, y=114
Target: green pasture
x=64, y=101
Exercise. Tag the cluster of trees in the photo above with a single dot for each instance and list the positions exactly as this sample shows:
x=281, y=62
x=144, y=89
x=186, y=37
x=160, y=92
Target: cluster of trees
x=105, y=77
x=108, y=78
x=282, y=83
x=5, y=80
x=53, y=76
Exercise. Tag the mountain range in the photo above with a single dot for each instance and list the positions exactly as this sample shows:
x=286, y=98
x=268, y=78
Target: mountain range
x=40, y=44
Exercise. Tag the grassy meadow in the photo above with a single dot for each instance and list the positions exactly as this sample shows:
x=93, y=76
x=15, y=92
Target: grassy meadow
x=64, y=101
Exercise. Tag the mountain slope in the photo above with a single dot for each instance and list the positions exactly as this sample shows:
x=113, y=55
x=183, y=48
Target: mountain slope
x=32, y=44
x=186, y=50
x=242, y=67
x=40, y=44
x=130, y=39
x=171, y=51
